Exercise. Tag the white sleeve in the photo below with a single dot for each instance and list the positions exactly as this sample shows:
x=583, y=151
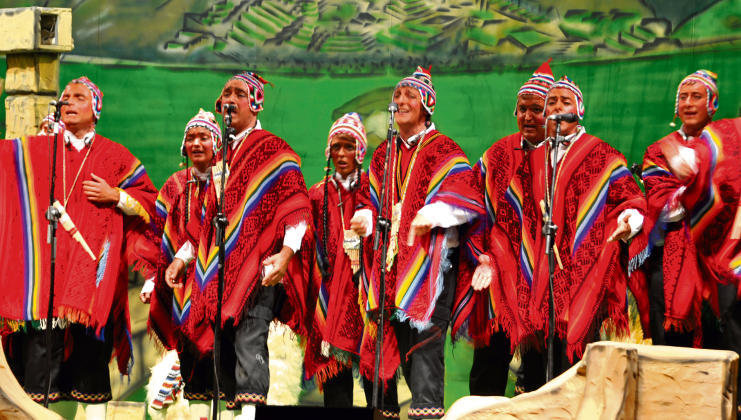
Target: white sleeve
x=635, y=221
x=186, y=252
x=444, y=215
x=674, y=211
x=148, y=286
x=294, y=235
x=367, y=215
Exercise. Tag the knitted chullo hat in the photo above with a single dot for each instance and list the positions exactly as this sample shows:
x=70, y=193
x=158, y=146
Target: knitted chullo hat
x=97, y=95
x=352, y=125
x=539, y=83
x=566, y=83
x=206, y=120
x=708, y=79
x=421, y=80
x=255, y=86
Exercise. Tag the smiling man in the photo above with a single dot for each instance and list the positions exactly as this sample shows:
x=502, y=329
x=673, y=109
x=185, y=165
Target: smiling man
x=420, y=276
x=482, y=194
x=693, y=187
x=268, y=251
x=107, y=194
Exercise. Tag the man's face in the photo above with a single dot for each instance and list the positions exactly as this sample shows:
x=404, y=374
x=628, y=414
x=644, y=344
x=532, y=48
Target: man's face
x=79, y=112
x=236, y=92
x=561, y=100
x=342, y=153
x=410, y=111
x=530, y=119
x=692, y=105
x=199, y=147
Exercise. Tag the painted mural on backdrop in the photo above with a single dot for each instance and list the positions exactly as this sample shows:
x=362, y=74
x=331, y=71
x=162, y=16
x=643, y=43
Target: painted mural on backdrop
x=367, y=36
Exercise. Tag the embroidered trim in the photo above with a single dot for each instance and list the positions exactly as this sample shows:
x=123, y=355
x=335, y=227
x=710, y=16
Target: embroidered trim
x=39, y=397
x=250, y=398
x=427, y=412
x=390, y=414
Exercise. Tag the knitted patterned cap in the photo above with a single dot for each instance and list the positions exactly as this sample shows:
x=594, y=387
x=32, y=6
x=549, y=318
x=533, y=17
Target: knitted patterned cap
x=206, y=120
x=255, y=86
x=708, y=79
x=352, y=125
x=539, y=83
x=566, y=83
x=421, y=80
x=97, y=95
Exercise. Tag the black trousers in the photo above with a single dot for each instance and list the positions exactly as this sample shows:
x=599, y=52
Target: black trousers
x=722, y=333
x=83, y=376
x=252, y=372
x=532, y=372
x=244, y=377
x=490, y=368
x=422, y=353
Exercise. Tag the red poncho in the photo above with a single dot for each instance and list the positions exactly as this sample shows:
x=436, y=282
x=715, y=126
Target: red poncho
x=415, y=280
x=696, y=248
x=181, y=197
x=593, y=187
x=265, y=193
x=337, y=317
x=86, y=291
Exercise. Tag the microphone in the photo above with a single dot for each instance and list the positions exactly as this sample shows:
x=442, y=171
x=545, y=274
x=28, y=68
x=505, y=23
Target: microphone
x=58, y=103
x=229, y=108
x=393, y=107
x=566, y=117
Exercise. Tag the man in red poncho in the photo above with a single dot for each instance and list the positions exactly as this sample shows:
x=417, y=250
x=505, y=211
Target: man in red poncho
x=180, y=200
x=269, y=253
x=596, y=202
x=105, y=192
x=420, y=276
x=480, y=193
x=338, y=327
x=693, y=186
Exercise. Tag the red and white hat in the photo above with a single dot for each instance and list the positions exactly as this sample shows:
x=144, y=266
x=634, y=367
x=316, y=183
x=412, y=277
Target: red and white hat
x=351, y=125
x=206, y=120
x=539, y=83
x=566, y=83
x=421, y=80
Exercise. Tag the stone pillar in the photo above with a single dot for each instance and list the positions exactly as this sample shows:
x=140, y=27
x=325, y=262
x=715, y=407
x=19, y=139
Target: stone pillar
x=32, y=39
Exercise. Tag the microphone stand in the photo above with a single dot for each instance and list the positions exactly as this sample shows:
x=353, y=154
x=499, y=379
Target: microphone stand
x=549, y=230
x=220, y=222
x=383, y=224
x=52, y=215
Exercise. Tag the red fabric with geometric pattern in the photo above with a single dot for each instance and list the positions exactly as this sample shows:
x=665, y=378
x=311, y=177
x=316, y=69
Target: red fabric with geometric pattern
x=692, y=254
x=343, y=326
x=281, y=201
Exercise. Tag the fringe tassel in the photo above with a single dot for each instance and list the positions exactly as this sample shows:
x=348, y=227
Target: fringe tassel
x=638, y=260
x=74, y=315
x=332, y=369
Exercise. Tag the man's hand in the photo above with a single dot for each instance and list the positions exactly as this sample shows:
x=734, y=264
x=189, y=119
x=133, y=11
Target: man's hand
x=622, y=231
x=420, y=226
x=483, y=273
x=98, y=191
x=279, y=263
x=146, y=293
x=359, y=225
x=173, y=273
